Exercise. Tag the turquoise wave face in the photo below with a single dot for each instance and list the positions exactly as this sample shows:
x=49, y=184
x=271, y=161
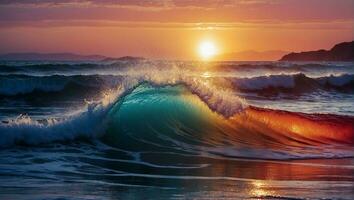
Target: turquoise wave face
x=159, y=118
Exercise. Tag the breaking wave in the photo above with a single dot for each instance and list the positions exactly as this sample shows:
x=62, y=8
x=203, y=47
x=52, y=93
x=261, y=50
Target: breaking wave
x=189, y=117
x=90, y=120
x=165, y=106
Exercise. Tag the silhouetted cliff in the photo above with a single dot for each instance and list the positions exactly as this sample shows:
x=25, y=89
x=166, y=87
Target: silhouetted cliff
x=340, y=52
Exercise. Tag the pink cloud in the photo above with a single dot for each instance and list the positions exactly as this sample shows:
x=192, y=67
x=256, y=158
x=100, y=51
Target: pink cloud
x=176, y=10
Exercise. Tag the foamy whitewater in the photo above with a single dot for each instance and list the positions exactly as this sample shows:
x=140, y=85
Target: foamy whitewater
x=140, y=129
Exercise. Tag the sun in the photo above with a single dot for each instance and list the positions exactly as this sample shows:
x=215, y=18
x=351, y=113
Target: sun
x=207, y=49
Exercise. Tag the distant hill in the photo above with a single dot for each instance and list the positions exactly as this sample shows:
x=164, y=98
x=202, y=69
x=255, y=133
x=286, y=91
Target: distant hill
x=251, y=56
x=124, y=58
x=50, y=57
x=340, y=52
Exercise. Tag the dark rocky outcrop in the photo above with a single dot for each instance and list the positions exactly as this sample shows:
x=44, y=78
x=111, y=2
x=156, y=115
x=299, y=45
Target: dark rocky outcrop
x=340, y=52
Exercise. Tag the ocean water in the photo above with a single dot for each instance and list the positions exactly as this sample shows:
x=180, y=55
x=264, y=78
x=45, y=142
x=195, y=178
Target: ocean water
x=153, y=129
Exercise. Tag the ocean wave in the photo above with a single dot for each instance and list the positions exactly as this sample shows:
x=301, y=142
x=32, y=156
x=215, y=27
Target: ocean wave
x=11, y=85
x=143, y=115
x=23, y=84
x=295, y=83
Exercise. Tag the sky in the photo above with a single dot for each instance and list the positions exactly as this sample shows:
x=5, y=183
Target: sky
x=172, y=29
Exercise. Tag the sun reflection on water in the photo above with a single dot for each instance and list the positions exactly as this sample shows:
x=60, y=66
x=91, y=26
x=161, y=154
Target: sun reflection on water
x=259, y=189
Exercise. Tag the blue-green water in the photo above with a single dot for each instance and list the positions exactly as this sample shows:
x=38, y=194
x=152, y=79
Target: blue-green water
x=165, y=136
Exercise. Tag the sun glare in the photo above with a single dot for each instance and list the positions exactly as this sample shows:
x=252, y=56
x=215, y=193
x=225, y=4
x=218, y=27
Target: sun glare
x=207, y=50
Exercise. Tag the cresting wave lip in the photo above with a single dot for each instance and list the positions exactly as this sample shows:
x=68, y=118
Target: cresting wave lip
x=258, y=124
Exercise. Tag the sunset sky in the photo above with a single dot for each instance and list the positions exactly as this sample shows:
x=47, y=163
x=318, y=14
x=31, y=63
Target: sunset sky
x=172, y=29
